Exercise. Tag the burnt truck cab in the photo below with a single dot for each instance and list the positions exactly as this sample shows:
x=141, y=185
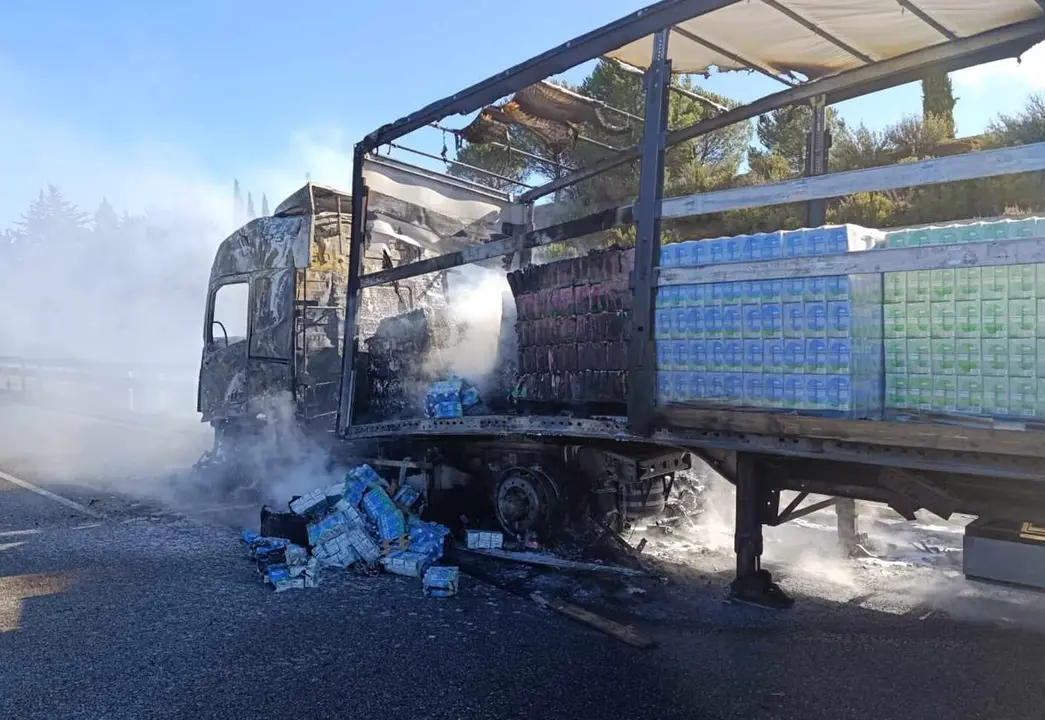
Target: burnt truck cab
x=273, y=331
x=274, y=311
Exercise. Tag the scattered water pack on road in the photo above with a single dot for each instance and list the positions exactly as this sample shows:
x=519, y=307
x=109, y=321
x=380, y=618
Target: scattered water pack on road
x=356, y=524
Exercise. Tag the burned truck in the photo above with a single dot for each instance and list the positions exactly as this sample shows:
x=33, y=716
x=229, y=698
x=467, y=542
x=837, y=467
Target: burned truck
x=541, y=339
x=593, y=392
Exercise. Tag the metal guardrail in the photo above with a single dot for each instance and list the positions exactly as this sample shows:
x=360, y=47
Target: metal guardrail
x=99, y=387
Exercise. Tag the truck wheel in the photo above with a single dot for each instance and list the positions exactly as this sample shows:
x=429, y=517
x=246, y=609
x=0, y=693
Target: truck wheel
x=528, y=500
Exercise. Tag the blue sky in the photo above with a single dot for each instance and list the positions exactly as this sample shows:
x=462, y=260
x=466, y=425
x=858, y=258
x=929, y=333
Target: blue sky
x=160, y=102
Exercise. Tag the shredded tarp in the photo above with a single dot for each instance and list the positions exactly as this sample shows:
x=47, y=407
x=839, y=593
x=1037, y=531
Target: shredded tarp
x=838, y=35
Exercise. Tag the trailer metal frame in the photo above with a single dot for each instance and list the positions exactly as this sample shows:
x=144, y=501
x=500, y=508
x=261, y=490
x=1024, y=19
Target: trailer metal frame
x=751, y=440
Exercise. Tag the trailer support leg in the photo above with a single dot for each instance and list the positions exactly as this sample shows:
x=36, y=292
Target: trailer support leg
x=848, y=533
x=753, y=584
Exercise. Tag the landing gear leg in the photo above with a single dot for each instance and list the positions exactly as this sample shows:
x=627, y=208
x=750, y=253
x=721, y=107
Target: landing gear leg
x=753, y=584
x=848, y=535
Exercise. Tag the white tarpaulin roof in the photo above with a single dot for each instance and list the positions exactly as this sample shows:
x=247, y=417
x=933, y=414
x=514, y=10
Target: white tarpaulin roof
x=823, y=37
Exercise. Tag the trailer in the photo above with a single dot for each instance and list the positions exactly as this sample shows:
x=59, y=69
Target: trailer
x=624, y=449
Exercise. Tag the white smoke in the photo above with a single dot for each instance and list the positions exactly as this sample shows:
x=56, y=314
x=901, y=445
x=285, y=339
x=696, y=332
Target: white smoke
x=124, y=305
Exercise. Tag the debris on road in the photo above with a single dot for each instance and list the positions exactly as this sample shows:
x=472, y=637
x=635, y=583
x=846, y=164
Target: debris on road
x=283, y=564
x=284, y=525
x=484, y=540
x=610, y=627
x=441, y=581
x=543, y=560
x=352, y=524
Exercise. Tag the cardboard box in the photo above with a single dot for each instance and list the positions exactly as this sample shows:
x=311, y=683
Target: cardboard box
x=895, y=320
x=942, y=320
x=895, y=290
x=896, y=356
x=994, y=318
x=943, y=357
x=967, y=321
x=943, y=285
x=1022, y=321
x=944, y=398
x=896, y=391
x=970, y=395
x=994, y=283
x=484, y=540
x=1022, y=358
x=794, y=320
x=1023, y=396
x=967, y=282
x=995, y=396
x=919, y=357
x=1021, y=282
x=920, y=392
x=968, y=355
x=918, y=320
x=995, y=358
x=919, y=286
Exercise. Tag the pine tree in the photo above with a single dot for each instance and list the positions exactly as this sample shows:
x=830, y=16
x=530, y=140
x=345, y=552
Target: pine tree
x=50, y=219
x=106, y=221
x=265, y=205
x=938, y=100
x=250, y=207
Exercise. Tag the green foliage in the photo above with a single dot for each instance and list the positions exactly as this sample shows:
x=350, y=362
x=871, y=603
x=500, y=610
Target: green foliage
x=50, y=218
x=716, y=161
x=914, y=137
x=496, y=159
x=867, y=209
x=858, y=148
x=1027, y=126
x=938, y=100
x=783, y=132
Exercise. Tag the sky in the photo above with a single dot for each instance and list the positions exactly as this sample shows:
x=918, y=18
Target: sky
x=163, y=103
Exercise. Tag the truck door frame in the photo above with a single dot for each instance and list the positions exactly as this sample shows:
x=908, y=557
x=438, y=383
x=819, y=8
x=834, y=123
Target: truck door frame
x=208, y=325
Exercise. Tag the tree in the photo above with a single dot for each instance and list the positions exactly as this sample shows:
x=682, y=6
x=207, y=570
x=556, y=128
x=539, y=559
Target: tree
x=510, y=168
x=784, y=131
x=51, y=219
x=1027, y=126
x=712, y=160
x=858, y=147
x=265, y=205
x=938, y=100
x=250, y=207
x=106, y=221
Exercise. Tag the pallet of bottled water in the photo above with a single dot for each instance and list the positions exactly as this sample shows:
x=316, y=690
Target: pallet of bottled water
x=799, y=344
x=966, y=340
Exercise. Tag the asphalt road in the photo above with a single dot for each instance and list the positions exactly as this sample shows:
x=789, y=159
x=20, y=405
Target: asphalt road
x=143, y=610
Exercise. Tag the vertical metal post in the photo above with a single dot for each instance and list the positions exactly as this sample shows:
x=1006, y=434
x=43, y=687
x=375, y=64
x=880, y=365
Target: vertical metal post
x=848, y=532
x=747, y=536
x=356, y=248
x=642, y=381
x=755, y=501
x=818, y=142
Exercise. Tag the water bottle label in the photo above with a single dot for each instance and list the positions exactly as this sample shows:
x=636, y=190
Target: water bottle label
x=816, y=317
x=734, y=353
x=752, y=320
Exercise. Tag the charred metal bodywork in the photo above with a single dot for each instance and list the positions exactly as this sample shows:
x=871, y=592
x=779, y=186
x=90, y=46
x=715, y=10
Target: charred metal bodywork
x=934, y=465
x=294, y=270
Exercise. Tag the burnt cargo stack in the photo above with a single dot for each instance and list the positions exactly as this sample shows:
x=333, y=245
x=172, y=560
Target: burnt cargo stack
x=573, y=328
x=402, y=358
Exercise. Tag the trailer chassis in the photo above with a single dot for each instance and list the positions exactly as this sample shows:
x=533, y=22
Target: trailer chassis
x=937, y=466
